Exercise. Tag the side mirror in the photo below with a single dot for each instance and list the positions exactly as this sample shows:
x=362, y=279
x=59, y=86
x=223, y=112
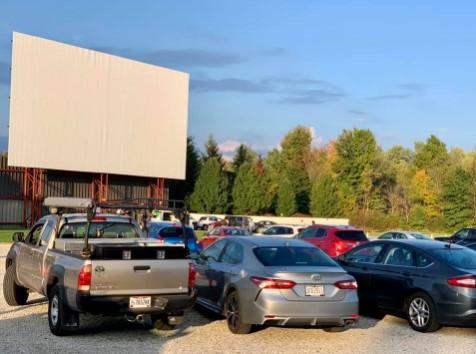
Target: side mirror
x=18, y=237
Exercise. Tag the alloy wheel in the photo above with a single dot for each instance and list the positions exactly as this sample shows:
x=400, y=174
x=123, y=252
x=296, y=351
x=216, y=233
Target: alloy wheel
x=419, y=312
x=54, y=310
x=233, y=312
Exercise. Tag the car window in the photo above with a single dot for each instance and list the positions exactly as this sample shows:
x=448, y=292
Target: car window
x=387, y=236
x=34, y=234
x=398, y=236
x=175, y=231
x=213, y=252
x=293, y=256
x=307, y=233
x=367, y=254
x=233, y=253
x=103, y=229
x=422, y=261
x=420, y=236
x=458, y=257
x=47, y=231
x=287, y=231
x=215, y=232
x=271, y=231
x=462, y=234
x=320, y=233
x=351, y=235
x=472, y=234
x=399, y=256
x=235, y=232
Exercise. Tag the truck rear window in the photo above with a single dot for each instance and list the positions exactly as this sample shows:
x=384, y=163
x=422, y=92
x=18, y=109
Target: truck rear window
x=102, y=229
x=351, y=235
x=292, y=257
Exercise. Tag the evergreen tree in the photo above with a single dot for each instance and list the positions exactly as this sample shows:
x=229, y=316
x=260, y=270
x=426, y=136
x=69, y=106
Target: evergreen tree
x=193, y=166
x=249, y=190
x=243, y=154
x=211, y=194
x=286, y=203
x=212, y=151
x=324, y=197
x=456, y=198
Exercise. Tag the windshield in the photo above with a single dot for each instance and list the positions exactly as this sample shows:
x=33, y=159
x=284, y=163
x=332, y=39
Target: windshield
x=235, y=232
x=351, y=235
x=169, y=232
x=457, y=257
x=420, y=236
x=293, y=256
x=102, y=229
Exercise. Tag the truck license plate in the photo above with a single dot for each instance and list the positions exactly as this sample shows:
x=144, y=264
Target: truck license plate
x=314, y=290
x=139, y=302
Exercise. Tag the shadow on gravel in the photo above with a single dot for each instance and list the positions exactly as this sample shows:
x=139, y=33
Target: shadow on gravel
x=31, y=303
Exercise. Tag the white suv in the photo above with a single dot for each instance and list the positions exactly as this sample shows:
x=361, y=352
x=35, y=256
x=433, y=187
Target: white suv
x=205, y=221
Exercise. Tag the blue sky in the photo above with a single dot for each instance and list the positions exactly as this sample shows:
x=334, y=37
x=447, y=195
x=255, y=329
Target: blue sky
x=405, y=69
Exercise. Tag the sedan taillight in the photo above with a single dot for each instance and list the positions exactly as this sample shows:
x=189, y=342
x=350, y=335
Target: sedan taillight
x=270, y=283
x=346, y=284
x=465, y=281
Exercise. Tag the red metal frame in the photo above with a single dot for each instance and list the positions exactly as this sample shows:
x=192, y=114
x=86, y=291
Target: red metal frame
x=156, y=190
x=32, y=195
x=100, y=187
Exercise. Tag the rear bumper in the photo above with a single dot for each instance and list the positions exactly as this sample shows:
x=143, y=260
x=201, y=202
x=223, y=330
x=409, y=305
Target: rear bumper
x=120, y=304
x=461, y=311
x=272, y=308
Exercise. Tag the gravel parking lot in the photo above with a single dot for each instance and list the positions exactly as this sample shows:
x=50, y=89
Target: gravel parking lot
x=25, y=330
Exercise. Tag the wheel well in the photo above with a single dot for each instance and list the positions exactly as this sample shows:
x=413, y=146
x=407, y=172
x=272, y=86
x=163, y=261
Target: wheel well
x=414, y=291
x=50, y=285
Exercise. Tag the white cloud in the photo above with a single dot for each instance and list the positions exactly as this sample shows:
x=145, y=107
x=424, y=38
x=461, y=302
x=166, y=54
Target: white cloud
x=229, y=145
x=317, y=140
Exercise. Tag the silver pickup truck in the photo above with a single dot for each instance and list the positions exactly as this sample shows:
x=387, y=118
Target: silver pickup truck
x=122, y=272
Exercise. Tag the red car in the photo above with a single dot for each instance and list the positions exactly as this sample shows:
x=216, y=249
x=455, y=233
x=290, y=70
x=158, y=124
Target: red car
x=334, y=240
x=220, y=232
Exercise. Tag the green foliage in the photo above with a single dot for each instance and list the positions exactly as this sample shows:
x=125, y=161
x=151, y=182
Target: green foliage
x=193, y=166
x=211, y=194
x=325, y=197
x=243, y=154
x=211, y=150
x=296, y=147
x=456, y=198
x=250, y=190
x=286, y=203
x=430, y=154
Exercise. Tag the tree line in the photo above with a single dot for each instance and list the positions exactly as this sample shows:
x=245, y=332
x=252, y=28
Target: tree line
x=428, y=187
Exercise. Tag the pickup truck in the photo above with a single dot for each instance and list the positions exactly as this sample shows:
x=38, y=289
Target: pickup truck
x=119, y=271
x=462, y=237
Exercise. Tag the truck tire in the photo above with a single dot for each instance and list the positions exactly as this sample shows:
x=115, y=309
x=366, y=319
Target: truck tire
x=14, y=294
x=58, y=311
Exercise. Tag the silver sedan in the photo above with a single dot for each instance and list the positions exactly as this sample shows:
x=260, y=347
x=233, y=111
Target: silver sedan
x=274, y=281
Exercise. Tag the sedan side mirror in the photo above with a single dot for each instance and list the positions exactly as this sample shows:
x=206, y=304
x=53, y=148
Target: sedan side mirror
x=18, y=237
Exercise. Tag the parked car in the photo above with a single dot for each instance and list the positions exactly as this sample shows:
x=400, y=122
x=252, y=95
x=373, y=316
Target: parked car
x=266, y=280
x=427, y=282
x=113, y=269
x=282, y=230
x=205, y=222
x=334, y=240
x=172, y=233
x=472, y=246
x=220, y=232
x=244, y=222
x=462, y=237
x=404, y=235
x=262, y=225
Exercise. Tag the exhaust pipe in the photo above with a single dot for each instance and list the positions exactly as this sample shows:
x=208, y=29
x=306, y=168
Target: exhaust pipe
x=349, y=323
x=132, y=318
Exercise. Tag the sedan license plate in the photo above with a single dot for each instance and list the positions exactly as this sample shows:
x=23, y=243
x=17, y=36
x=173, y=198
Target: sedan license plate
x=314, y=290
x=139, y=302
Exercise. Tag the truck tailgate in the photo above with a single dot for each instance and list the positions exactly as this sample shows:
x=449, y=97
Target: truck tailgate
x=139, y=277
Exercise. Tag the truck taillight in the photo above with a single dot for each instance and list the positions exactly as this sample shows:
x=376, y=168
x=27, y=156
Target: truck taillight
x=192, y=276
x=271, y=283
x=84, y=278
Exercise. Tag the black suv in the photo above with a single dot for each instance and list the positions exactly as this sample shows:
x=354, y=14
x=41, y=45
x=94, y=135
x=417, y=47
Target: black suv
x=463, y=237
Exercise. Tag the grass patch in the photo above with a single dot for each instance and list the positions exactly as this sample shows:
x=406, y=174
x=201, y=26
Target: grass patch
x=6, y=234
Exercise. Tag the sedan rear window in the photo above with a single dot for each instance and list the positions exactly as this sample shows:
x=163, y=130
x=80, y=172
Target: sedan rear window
x=457, y=257
x=235, y=232
x=173, y=232
x=293, y=256
x=351, y=235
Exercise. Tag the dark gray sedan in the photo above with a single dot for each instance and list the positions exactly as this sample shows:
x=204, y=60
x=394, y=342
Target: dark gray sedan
x=265, y=280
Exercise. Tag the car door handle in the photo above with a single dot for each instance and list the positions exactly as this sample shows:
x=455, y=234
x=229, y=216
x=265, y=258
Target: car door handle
x=142, y=268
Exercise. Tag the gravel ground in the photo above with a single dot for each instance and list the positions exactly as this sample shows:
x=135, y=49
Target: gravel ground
x=25, y=330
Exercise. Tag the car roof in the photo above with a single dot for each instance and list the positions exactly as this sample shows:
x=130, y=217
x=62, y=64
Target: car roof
x=163, y=224
x=81, y=217
x=337, y=227
x=421, y=244
x=267, y=241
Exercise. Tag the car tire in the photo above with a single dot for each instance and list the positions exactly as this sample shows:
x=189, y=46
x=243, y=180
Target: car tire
x=421, y=313
x=14, y=294
x=58, y=311
x=161, y=323
x=233, y=315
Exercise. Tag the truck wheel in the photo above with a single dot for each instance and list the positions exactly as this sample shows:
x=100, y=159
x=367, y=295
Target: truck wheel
x=161, y=323
x=58, y=311
x=14, y=294
x=233, y=315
